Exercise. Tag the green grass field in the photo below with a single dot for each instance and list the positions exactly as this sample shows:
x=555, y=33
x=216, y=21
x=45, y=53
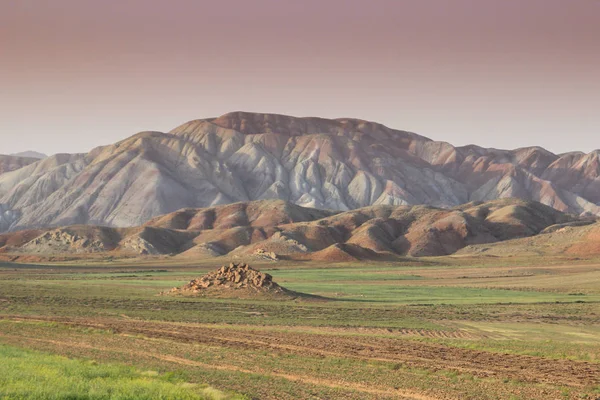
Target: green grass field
x=422, y=331
x=35, y=375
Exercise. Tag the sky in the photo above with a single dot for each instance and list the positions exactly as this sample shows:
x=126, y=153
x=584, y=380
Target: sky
x=76, y=74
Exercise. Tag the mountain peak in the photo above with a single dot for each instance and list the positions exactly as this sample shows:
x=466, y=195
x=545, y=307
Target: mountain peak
x=30, y=154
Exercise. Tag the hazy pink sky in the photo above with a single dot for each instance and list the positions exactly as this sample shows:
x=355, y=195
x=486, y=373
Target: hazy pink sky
x=75, y=74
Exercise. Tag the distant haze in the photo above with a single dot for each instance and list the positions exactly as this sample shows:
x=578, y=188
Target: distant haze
x=506, y=73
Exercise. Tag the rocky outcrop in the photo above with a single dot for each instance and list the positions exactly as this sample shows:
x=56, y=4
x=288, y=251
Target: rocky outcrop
x=139, y=245
x=64, y=241
x=232, y=280
x=265, y=255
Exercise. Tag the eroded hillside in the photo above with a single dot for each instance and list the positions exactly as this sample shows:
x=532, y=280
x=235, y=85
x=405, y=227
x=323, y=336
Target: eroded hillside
x=274, y=229
x=339, y=164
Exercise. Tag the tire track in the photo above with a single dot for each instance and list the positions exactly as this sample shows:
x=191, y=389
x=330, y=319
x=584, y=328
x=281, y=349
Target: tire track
x=345, y=385
x=394, y=350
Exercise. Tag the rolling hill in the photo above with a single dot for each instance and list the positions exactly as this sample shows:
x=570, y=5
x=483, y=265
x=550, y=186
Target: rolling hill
x=275, y=229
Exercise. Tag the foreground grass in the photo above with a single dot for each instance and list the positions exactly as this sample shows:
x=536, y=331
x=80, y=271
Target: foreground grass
x=552, y=313
x=32, y=375
x=254, y=371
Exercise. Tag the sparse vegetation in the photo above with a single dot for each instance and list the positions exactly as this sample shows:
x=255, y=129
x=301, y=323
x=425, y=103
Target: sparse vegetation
x=438, y=328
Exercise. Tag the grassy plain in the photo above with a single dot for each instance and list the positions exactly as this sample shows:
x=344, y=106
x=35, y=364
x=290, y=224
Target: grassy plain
x=445, y=328
x=30, y=374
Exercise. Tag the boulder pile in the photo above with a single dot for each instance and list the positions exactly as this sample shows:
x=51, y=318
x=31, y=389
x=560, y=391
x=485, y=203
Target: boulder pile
x=235, y=277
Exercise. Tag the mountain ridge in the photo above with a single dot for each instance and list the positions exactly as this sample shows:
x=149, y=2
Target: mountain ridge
x=30, y=154
x=339, y=164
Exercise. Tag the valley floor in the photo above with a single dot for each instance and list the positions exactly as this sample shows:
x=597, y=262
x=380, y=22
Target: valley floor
x=446, y=328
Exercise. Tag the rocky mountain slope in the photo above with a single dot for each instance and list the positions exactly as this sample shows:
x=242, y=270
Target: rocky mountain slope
x=338, y=164
x=274, y=229
x=10, y=163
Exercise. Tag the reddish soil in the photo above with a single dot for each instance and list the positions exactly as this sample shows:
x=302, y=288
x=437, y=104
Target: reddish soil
x=405, y=352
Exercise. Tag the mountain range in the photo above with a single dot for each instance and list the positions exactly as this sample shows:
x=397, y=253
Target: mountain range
x=339, y=165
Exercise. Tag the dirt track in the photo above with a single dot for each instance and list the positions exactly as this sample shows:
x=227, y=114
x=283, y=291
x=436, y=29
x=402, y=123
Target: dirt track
x=403, y=352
